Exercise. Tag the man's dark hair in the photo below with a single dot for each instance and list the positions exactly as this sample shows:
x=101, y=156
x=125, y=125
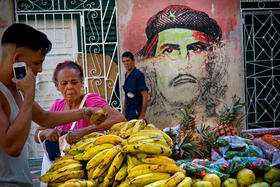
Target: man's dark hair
x=128, y=54
x=179, y=16
x=26, y=36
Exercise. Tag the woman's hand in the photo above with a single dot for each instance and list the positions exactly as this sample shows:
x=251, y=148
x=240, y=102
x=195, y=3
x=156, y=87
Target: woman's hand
x=89, y=111
x=74, y=136
x=52, y=134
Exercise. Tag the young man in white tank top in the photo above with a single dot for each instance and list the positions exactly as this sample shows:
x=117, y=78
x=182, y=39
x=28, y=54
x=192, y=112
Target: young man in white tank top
x=22, y=43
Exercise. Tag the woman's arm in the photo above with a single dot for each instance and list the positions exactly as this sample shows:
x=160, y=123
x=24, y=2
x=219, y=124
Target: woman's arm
x=51, y=119
x=114, y=116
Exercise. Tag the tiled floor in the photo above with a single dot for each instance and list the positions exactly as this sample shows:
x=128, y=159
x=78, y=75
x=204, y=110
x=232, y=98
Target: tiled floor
x=35, y=167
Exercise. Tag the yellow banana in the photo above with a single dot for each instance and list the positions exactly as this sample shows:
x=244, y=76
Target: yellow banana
x=70, y=167
x=98, y=172
x=174, y=179
x=167, y=138
x=150, y=126
x=90, y=172
x=74, y=152
x=128, y=125
x=158, y=159
x=121, y=174
x=110, y=139
x=46, y=177
x=65, y=157
x=165, y=168
x=145, y=179
x=147, y=133
x=135, y=173
x=187, y=182
x=100, y=114
x=117, y=126
x=87, y=155
x=64, y=176
x=115, y=183
x=92, y=135
x=80, y=146
x=79, y=156
x=87, y=144
x=136, y=161
x=77, y=183
x=139, y=125
x=54, y=184
x=106, y=161
x=129, y=162
x=94, y=161
x=107, y=182
x=95, y=182
x=126, y=133
x=156, y=141
x=142, y=155
x=82, y=141
x=61, y=163
x=149, y=148
x=115, y=166
x=154, y=132
x=109, y=156
x=156, y=184
x=135, y=139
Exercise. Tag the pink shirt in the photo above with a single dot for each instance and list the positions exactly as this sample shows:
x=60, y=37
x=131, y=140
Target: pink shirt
x=92, y=100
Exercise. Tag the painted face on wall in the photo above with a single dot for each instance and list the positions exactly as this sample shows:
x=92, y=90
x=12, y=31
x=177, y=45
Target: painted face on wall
x=184, y=65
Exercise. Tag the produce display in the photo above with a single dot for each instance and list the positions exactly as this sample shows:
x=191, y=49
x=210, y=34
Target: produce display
x=134, y=153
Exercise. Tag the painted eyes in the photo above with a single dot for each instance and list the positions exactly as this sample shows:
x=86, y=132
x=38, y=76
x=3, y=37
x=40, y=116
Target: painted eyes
x=174, y=50
x=197, y=47
x=171, y=50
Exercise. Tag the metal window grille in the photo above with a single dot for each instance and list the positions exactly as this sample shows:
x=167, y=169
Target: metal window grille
x=261, y=52
x=82, y=30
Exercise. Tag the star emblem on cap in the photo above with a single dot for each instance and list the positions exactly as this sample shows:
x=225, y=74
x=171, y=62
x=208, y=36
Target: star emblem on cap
x=172, y=14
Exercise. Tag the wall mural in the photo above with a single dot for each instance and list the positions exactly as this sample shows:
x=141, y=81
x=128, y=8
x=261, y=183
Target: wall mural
x=187, y=61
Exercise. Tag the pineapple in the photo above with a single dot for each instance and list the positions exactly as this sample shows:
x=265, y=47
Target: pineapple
x=187, y=144
x=209, y=140
x=188, y=123
x=230, y=119
x=186, y=148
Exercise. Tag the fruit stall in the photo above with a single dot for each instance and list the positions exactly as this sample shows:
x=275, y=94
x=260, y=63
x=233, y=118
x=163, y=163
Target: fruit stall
x=136, y=153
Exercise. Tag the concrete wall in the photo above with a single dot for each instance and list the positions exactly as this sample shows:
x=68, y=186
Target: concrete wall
x=6, y=15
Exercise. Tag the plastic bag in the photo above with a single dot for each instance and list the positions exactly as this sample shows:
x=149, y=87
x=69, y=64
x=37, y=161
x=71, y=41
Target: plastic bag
x=254, y=151
x=63, y=144
x=272, y=153
x=203, y=162
x=234, y=141
x=253, y=163
x=223, y=165
x=215, y=155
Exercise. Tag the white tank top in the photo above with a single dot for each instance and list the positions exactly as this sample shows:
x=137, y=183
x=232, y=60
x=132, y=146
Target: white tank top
x=14, y=171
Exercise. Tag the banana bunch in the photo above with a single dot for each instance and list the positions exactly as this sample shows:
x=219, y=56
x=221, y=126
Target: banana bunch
x=125, y=129
x=88, y=147
x=65, y=168
x=78, y=183
x=132, y=153
x=81, y=145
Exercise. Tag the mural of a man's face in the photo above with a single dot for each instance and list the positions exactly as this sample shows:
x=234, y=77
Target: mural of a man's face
x=185, y=53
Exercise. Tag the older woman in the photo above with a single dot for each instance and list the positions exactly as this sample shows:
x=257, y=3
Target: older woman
x=68, y=79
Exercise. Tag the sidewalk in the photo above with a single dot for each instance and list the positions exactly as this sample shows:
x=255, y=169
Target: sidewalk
x=35, y=169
